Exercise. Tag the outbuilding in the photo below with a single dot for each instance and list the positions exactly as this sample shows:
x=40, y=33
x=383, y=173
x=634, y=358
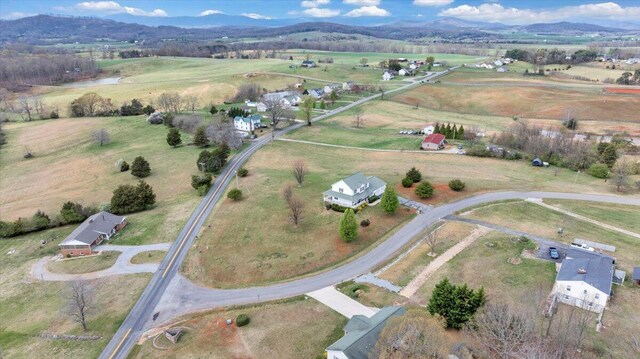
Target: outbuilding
x=434, y=141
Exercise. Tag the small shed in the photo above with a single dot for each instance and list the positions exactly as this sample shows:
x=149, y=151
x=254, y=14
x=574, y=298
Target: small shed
x=537, y=162
x=635, y=277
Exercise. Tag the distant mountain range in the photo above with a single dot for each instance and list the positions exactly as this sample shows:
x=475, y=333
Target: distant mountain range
x=46, y=29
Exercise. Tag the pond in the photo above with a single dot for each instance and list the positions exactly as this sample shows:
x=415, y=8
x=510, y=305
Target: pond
x=98, y=82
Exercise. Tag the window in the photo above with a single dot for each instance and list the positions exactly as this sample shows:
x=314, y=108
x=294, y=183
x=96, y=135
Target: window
x=597, y=296
x=340, y=190
x=584, y=291
x=568, y=288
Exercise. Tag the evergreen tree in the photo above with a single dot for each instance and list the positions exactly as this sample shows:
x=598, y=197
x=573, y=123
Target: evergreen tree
x=447, y=131
x=414, y=174
x=71, y=213
x=456, y=304
x=436, y=128
x=140, y=167
x=610, y=155
x=40, y=220
x=390, y=200
x=424, y=190
x=348, y=226
x=145, y=198
x=460, y=135
x=454, y=132
x=200, y=138
x=173, y=137
x=213, y=110
x=323, y=105
x=203, y=159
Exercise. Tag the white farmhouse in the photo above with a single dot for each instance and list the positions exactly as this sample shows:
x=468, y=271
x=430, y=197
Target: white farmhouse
x=585, y=282
x=498, y=63
x=427, y=130
x=403, y=72
x=247, y=124
x=354, y=190
x=386, y=76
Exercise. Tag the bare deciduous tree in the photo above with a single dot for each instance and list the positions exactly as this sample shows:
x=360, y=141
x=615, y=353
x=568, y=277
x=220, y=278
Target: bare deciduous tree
x=192, y=103
x=299, y=171
x=100, y=136
x=79, y=302
x=432, y=240
x=621, y=174
x=220, y=132
x=359, y=120
x=276, y=112
x=26, y=107
x=250, y=92
x=416, y=334
x=295, y=209
x=170, y=102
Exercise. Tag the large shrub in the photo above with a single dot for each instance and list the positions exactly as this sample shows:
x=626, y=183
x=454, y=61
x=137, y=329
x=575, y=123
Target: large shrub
x=243, y=172
x=455, y=303
x=598, y=170
x=156, y=118
x=407, y=182
x=424, y=190
x=242, y=320
x=235, y=194
x=129, y=199
x=140, y=167
x=456, y=185
x=173, y=137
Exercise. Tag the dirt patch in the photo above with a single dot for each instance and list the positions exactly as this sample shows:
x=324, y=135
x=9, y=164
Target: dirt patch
x=634, y=91
x=441, y=194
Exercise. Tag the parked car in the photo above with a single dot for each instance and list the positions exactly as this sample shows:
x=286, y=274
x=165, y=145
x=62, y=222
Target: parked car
x=459, y=147
x=553, y=253
x=582, y=246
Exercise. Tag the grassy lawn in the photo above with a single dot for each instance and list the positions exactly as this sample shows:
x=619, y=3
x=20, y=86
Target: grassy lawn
x=84, y=265
x=486, y=263
x=534, y=219
x=294, y=329
x=627, y=217
x=252, y=241
x=371, y=295
x=148, y=257
x=29, y=307
x=353, y=58
x=67, y=166
x=417, y=260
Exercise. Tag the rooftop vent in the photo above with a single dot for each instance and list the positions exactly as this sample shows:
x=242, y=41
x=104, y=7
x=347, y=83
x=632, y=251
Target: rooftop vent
x=582, y=271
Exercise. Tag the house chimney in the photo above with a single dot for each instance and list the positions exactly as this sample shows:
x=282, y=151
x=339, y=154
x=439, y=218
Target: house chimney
x=582, y=271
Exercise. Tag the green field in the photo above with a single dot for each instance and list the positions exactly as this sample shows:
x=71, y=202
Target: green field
x=80, y=265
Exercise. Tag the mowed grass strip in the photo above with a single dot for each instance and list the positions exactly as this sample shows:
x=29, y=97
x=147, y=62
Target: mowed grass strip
x=148, y=257
x=626, y=217
x=535, y=219
x=84, y=265
x=294, y=329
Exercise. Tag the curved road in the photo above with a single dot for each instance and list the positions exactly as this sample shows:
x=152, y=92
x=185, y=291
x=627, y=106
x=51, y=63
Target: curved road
x=125, y=338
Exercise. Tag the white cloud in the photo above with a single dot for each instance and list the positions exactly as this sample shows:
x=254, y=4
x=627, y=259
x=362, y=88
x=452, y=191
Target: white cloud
x=314, y=3
x=210, y=12
x=499, y=13
x=367, y=11
x=15, y=15
x=255, y=16
x=318, y=12
x=362, y=2
x=112, y=7
x=432, y=2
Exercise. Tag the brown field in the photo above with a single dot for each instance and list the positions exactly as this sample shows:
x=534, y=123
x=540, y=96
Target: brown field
x=634, y=91
x=296, y=329
x=527, y=100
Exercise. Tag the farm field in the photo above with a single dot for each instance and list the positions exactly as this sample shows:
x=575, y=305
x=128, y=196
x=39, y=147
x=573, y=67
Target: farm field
x=264, y=247
x=543, y=103
x=29, y=307
x=294, y=329
x=68, y=166
x=384, y=119
x=353, y=58
x=537, y=220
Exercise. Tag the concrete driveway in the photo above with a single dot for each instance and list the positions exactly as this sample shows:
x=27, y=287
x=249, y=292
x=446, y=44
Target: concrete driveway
x=122, y=265
x=341, y=303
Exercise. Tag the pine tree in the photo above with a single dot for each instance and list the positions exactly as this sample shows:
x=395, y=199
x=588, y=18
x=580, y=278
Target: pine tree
x=200, y=138
x=173, y=137
x=140, y=167
x=213, y=110
x=454, y=132
x=145, y=198
x=610, y=155
x=424, y=190
x=447, y=131
x=390, y=200
x=348, y=226
x=436, y=128
x=414, y=174
x=457, y=304
x=460, y=135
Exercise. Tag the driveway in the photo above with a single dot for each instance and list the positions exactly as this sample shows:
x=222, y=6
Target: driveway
x=122, y=265
x=341, y=303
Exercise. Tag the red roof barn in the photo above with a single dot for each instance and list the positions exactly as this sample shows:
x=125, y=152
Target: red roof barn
x=434, y=141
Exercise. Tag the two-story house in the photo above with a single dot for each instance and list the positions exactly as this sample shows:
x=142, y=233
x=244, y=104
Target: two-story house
x=354, y=190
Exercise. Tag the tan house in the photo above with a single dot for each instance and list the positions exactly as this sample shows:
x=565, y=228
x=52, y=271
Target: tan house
x=90, y=233
x=434, y=141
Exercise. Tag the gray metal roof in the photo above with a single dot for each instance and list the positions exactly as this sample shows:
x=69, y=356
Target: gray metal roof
x=356, y=180
x=362, y=333
x=597, y=271
x=636, y=273
x=92, y=227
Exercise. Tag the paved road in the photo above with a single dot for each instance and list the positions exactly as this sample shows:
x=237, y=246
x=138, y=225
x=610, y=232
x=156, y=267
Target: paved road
x=122, y=265
x=126, y=336
x=183, y=297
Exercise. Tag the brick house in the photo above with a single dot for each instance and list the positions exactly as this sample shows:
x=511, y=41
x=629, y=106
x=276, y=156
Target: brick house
x=90, y=233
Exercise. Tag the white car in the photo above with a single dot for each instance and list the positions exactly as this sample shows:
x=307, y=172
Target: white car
x=582, y=246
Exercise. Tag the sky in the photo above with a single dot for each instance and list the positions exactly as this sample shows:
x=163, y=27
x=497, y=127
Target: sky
x=503, y=11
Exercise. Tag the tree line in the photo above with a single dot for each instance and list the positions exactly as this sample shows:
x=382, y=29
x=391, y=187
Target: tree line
x=544, y=56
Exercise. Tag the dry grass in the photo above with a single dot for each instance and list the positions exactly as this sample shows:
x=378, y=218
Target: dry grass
x=413, y=263
x=148, y=257
x=84, y=265
x=297, y=329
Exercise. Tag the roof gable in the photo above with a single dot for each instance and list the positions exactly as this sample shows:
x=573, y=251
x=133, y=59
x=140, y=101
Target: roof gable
x=435, y=138
x=92, y=227
x=597, y=271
